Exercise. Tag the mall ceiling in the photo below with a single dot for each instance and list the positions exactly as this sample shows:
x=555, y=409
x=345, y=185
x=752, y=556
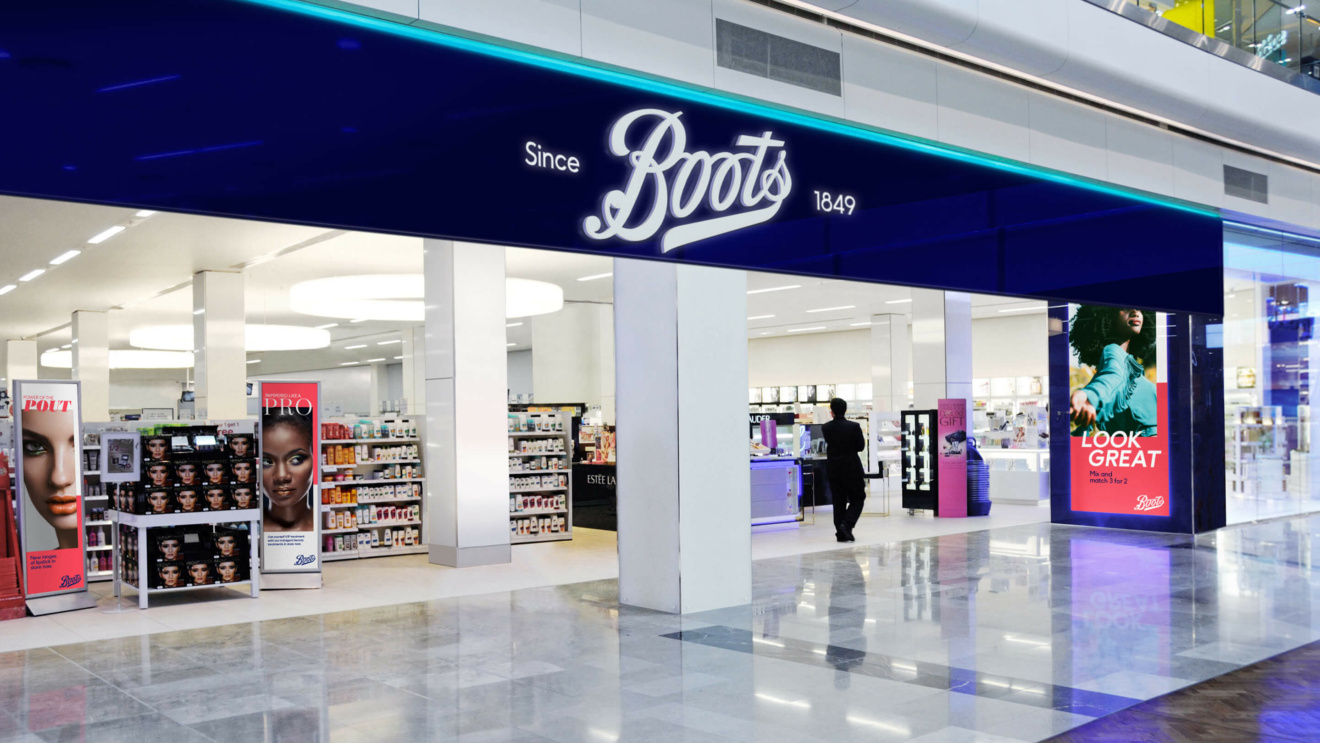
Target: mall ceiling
x=142, y=275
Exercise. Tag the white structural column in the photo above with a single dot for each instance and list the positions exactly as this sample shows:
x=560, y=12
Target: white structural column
x=941, y=347
x=891, y=361
x=467, y=465
x=380, y=386
x=21, y=362
x=91, y=362
x=568, y=352
x=684, y=485
x=219, y=345
x=413, y=351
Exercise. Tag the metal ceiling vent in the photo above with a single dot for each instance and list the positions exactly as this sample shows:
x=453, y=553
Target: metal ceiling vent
x=1245, y=184
x=774, y=57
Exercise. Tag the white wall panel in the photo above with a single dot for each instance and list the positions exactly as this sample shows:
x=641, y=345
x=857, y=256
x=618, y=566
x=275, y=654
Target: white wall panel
x=675, y=38
x=1198, y=171
x=1140, y=156
x=1011, y=346
x=1290, y=197
x=549, y=24
x=520, y=373
x=809, y=358
x=1068, y=136
x=1020, y=34
x=349, y=386
x=983, y=113
x=889, y=87
x=944, y=22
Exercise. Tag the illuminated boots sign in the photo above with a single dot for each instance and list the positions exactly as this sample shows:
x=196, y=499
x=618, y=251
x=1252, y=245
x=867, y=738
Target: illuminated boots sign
x=666, y=183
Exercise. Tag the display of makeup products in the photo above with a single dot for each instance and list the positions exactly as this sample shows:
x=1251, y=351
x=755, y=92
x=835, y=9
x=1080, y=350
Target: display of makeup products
x=186, y=556
x=192, y=469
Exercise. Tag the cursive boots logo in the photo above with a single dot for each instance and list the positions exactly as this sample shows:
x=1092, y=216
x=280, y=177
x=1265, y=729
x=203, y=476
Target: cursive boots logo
x=1147, y=503
x=678, y=182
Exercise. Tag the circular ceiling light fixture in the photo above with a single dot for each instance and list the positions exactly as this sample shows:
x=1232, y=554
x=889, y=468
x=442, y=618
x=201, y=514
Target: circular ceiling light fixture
x=399, y=297
x=128, y=358
x=257, y=338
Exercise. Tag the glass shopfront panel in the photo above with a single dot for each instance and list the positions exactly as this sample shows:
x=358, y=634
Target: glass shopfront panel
x=1271, y=360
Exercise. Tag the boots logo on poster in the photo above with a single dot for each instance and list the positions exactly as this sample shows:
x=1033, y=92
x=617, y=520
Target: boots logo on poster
x=675, y=183
x=1147, y=503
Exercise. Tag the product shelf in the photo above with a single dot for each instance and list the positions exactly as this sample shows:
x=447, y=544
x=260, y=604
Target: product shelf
x=344, y=555
x=95, y=497
x=97, y=523
x=370, y=463
x=534, y=538
x=539, y=490
x=386, y=525
x=251, y=516
x=91, y=473
x=100, y=548
x=380, y=481
x=538, y=512
x=389, y=500
x=369, y=552
x=536, y=433
x=538, y=454
x=339, y=531
x=336, y=506
x=370, y=441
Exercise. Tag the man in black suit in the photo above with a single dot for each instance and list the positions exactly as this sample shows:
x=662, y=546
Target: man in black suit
x=843, y=441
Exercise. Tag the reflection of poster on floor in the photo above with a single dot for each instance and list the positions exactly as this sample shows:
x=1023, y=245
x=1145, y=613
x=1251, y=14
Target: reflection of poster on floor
x=290, y=463
x=47, y=419
x=1118, y=405
x=951, y=433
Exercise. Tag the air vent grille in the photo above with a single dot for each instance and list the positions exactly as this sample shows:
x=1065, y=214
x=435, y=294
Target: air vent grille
x=777, y=58
x=1245, y=184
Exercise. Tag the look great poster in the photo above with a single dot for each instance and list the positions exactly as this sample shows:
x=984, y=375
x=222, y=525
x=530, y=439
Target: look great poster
x=1118, y=405
x=47, y=418
x=290, y=465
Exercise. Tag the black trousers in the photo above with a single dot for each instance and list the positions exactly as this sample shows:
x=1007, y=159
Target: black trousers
x=848, y=491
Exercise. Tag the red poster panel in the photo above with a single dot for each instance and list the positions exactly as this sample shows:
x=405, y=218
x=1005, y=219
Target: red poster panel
x=47, y=421
x=1118, y=403
x=951, y=432
x=290, y=470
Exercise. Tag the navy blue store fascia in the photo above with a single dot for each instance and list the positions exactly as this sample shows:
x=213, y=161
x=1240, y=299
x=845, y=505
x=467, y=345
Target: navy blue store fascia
x=292, y=112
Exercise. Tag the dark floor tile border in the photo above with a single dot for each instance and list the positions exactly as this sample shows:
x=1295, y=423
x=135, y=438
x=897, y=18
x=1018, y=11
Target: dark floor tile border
x=917, y=673
x=1185, y=715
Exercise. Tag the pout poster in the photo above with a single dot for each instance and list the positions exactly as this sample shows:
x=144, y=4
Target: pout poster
x=48, y=419
x=290, y=464
x=1118, y=407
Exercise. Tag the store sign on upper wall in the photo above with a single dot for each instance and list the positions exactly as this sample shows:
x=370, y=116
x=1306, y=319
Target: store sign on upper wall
x=666, y=184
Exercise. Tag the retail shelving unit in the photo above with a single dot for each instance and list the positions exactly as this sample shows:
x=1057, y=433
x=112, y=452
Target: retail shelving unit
x=920, y=475
x=1254, y=452
x=97, y=536
x=540, y=478
x=403, y=475
x=140, y=524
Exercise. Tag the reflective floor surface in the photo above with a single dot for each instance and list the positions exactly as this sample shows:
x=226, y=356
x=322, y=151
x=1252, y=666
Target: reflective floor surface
x=1012, y=634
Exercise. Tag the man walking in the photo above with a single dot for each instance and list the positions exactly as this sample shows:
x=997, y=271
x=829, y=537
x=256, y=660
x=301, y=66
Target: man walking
x=843, y=442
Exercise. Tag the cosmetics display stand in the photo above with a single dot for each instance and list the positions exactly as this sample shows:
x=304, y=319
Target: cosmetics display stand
x=920, y=475
x=140, y=524
x=96, y=504
x=357, y=481
x=540, y=478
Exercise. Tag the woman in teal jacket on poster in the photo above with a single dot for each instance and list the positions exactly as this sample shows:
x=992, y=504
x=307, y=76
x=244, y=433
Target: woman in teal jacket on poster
x=1120, y=345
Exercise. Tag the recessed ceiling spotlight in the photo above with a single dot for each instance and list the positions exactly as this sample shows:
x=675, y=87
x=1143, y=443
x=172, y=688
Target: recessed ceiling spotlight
x=65, y=257
x=7, y=288
x=775, y=289
x=30, y=275
x=834, y=309
x=106, y=235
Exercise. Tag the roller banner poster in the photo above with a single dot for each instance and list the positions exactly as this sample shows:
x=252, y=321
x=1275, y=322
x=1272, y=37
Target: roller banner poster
x=290, y=471
x=47, y=420
x=952, y=446
x=1118, y=407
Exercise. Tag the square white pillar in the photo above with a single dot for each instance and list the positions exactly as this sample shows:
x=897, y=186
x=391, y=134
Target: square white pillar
x=91, y=362
x=684, y=481
x=941, y=347
x=20, y=362
x=219, y=345
x=467, y=464
x=891, y=346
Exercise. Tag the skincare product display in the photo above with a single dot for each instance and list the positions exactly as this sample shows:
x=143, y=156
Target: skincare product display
x=371, y=482
x=540, y=475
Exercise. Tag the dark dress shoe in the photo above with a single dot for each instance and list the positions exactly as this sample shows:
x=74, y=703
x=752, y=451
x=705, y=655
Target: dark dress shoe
x=841, y=537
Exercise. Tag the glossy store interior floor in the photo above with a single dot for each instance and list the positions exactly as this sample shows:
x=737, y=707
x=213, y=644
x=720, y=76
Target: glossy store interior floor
x=1015, y=632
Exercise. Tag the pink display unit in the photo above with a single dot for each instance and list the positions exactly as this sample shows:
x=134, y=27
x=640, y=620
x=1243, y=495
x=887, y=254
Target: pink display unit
x=951, y=443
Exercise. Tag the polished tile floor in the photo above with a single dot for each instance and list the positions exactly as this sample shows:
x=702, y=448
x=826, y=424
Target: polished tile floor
x=1011, y=634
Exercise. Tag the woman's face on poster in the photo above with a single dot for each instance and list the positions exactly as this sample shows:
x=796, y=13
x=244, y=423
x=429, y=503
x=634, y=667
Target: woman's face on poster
x=287, y=464
x=157, y=448
x=50, y=467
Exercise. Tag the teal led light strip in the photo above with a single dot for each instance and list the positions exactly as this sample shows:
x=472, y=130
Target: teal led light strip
x=700, y=95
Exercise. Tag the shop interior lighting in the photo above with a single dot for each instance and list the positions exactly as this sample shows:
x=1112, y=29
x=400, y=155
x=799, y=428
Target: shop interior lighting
x=30, y=275
x=200, y=312
x=130, y=358
x=760, y=317
x=65, y=257
x=254, y=361
x=372, y=361
x=7, y=288
x=360, y=319
x=513, y=325
x=510, y=345
x=775, y=289
x=67, y=345
x=106, y=235
x=1295, y=11
x=327, y=326
x=355, y=347
x=144, y=213
x=803, y=330
x=898, y=301
x=396, y=358
x=858, y=324
x=389, y=343
x=257, y=338
x=349, y=363
x=834, y=309
x=595, y=276
x=398, y=298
